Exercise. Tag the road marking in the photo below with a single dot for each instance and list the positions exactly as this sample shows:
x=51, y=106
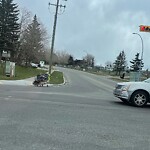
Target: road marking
x=101, y=84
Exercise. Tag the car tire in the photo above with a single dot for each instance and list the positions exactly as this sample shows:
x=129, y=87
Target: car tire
x=139, y=98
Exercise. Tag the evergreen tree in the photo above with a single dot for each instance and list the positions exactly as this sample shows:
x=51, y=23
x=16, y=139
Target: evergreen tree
x=9, y=27
x=70, y=60
x=137, y=63
x=32, y=44
x=120, y=63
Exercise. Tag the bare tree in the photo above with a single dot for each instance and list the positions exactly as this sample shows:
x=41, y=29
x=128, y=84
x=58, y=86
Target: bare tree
x=47, y=56
x=25, y=20
x=89, y=60
x=62, y=57
x=44, y=35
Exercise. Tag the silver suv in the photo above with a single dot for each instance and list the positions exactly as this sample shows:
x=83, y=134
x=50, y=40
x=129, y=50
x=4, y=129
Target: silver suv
x=137, y=93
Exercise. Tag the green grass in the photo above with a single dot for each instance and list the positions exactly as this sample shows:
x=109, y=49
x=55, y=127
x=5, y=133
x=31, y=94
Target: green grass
x=56, y=78
x=27, y=72
x=21, y=73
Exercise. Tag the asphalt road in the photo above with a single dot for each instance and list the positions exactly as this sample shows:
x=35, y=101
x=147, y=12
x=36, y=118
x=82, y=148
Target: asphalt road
x=82, y=114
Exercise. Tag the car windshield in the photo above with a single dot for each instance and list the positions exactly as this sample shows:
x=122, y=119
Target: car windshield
x=147, y=80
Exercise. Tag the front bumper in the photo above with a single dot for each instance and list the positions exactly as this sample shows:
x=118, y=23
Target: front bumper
x=121, y=94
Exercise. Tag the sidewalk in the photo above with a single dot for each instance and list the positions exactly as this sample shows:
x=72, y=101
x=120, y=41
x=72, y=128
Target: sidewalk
x=25, y=82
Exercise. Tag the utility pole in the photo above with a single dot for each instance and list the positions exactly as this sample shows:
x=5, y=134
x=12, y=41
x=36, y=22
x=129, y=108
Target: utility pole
x=54, y=31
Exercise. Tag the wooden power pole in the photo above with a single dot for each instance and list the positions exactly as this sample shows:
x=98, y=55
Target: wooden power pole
x=54, y=31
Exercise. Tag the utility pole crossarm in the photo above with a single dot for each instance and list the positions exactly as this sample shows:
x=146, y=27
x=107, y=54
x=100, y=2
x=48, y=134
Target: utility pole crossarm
x=64, y=6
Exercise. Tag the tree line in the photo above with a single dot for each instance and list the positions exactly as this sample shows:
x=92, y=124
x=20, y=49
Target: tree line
x=24, y=38
x=120, y=65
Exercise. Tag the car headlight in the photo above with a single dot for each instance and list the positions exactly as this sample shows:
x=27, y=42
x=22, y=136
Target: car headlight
x=125, y=87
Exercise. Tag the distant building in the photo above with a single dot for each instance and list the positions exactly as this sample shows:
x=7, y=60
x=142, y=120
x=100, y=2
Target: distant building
x=79, y=63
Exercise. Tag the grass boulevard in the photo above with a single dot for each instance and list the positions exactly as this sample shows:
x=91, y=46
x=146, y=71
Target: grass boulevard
x=28, y=72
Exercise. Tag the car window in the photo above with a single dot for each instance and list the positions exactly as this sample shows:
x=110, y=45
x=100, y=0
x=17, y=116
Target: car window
x=147, y=81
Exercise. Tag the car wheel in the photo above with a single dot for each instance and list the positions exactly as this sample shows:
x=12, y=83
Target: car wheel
x=139, y=98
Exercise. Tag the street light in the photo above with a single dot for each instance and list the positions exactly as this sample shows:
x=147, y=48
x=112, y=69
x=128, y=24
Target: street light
x=142, y=51
x=142, y=45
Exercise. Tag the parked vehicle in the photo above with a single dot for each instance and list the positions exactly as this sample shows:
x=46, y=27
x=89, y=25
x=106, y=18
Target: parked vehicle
x=34, y=65
x=136, y=93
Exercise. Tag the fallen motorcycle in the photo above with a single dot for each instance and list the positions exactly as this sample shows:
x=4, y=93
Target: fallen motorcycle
x=41, y=80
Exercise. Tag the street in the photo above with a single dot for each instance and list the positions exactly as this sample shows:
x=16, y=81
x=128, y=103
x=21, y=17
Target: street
x=82, y=114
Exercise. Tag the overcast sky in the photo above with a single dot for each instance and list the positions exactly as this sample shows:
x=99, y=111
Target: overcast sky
x=102, y=28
